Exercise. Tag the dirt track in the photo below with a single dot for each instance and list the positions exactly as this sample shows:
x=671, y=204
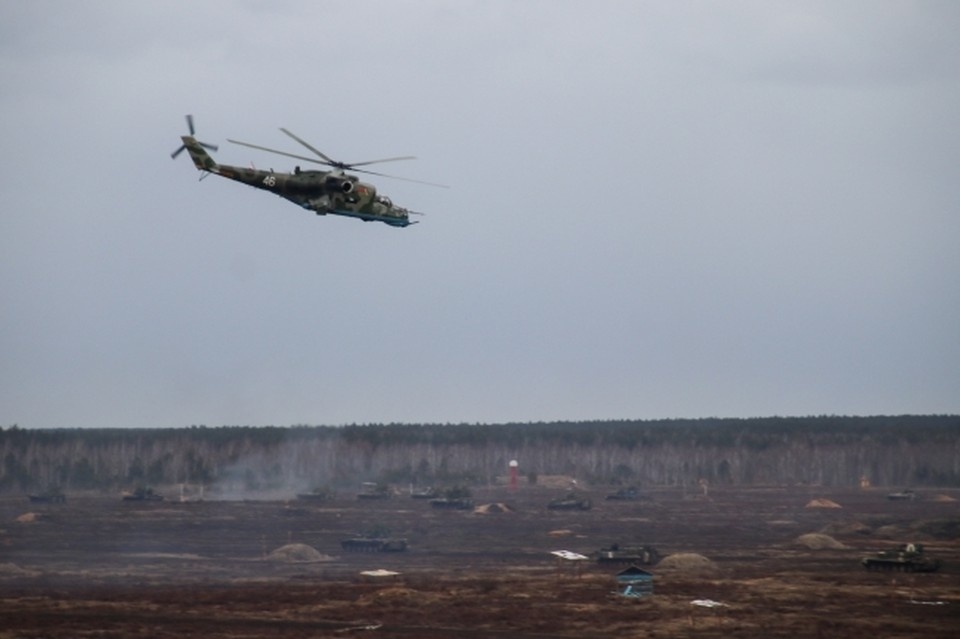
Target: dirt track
x=97, y=566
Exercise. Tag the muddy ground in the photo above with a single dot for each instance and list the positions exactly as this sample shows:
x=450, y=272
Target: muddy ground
x=97, y=566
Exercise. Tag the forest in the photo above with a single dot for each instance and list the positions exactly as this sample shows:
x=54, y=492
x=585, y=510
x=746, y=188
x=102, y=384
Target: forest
x=895, y=451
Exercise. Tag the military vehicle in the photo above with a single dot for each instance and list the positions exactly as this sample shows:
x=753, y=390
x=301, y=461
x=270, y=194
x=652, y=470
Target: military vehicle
x=906, y=558
x=373, y=490
x=317, y=494
x=454, y=498
x=142, y=493
x=323, y=192
x=452, y=503
x=571, y=502
x=373, y=544
x=49, y=496
x=903, y=495
x=631, y=493
x=617, y=554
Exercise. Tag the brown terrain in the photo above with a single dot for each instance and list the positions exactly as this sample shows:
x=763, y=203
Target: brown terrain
x=97, y=566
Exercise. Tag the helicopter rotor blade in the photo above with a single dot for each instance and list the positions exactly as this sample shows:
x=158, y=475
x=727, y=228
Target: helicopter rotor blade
x=337, y=165
x=343, y=165
x=193, y=132
x=322, y=155
x=289, y=155
x=402, y=157
x=397, y=177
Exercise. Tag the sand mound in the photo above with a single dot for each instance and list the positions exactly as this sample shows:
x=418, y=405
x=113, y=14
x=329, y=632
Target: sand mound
x=294, y=553
x=29, y=518
x=818, y=541
x=938, y=528
x=560, y=533
x=688, y=563
x=13, y=570
x=943, y=498
x=846, y=528
x=823, y=503
x=892, y=531
x=486, y=509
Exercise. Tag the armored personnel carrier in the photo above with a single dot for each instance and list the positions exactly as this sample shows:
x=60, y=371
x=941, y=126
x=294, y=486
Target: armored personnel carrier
x=316, y=495
x=449, y=503
x=903, y=495
x=637, y=555
x=906, y=558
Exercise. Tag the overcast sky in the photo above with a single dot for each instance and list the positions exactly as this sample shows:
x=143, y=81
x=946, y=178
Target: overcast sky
x=658, y=209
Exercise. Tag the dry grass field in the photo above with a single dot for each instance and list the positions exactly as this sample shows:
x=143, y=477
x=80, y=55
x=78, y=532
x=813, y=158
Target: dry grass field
x=100, y=567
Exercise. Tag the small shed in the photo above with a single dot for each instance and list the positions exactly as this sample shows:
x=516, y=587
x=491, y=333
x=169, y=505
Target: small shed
x=635, y=582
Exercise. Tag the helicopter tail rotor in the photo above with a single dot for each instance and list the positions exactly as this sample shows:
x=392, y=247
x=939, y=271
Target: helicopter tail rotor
x=183, y=147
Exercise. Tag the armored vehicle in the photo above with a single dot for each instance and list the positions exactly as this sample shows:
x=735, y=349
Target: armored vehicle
x=51, y=496
x=631, y=493
x=571, y=502
x=448, y=503
x=906, y=558
x=637, y=555
x=142, y=493
x=372, y=490
x=373, y=544
x=317, y=494
x=903, y=495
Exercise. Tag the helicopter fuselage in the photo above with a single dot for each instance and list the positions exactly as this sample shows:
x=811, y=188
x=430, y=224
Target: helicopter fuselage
x=323, y=192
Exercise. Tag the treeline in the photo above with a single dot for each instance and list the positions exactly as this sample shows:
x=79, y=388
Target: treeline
x=829, y=450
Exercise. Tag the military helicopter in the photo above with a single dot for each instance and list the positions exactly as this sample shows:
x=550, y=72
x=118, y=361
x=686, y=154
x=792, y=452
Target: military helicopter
x=323, y=192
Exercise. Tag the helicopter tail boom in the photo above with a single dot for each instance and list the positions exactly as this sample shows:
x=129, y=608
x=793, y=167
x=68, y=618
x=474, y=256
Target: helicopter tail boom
x=201, y=159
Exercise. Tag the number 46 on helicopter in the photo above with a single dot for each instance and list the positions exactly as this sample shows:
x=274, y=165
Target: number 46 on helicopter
x=332, y=192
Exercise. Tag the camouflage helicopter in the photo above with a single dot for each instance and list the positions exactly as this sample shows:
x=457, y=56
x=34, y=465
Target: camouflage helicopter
x=323, y=192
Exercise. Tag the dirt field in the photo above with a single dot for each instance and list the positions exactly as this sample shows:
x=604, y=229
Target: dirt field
x=100, y=567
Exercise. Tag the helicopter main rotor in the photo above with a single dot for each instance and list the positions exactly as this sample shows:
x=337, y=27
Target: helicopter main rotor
x=341, y=166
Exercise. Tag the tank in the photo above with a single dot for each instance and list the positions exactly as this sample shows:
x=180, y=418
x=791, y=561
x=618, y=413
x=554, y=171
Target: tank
x=631, y=493
x=570, y=502
x=142, y=493
x=372, y=490
x=617, y=554
x=906, y=558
